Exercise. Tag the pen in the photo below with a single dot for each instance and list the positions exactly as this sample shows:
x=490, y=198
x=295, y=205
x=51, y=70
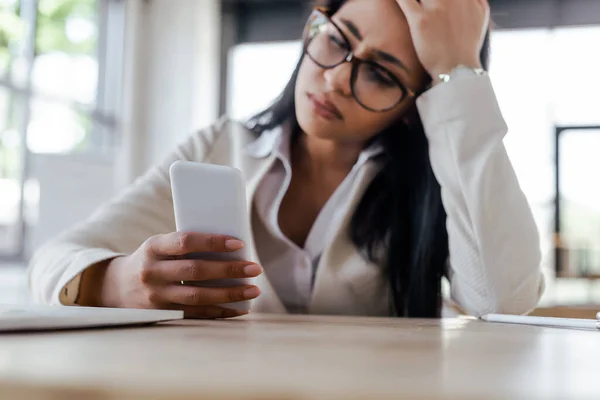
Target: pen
x=543, y=321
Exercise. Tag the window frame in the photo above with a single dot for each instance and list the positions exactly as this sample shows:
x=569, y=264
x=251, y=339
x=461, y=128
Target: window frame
x=560, y=131
x=104, y=114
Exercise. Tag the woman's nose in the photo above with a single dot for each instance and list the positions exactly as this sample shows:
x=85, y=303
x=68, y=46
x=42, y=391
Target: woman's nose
x=338, y=78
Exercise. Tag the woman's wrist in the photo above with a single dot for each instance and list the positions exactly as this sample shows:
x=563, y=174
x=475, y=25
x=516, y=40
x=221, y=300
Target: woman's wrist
x=457, y=70
x=96, y=289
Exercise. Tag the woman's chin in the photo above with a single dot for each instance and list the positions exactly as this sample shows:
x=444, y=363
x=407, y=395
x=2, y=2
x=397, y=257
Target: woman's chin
x=317, y=126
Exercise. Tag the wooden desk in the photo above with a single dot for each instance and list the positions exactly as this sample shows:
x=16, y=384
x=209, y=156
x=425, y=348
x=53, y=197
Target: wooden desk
x=286, y=357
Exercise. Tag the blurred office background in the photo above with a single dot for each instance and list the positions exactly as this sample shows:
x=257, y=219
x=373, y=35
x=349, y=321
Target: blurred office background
x=93, y=92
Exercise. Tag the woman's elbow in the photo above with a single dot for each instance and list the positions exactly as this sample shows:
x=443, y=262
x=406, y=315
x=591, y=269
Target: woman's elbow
x=520, y=301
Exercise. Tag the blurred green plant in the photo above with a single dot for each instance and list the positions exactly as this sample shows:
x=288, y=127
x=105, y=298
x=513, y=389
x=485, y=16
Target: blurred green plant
x=54, y=20
x=66, y=26
x=11, y=30
x=54, y=17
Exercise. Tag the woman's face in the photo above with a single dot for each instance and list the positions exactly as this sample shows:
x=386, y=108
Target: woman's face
x=377, y=31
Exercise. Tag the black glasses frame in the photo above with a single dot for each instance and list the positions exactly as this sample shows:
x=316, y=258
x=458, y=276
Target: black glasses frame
x=354, y=61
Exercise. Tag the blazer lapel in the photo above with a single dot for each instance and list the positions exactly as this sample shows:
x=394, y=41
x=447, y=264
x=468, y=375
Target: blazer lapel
x=345, y=282
x=254, y=169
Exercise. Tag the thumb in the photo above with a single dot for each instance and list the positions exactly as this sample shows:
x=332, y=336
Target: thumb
x=410, y=8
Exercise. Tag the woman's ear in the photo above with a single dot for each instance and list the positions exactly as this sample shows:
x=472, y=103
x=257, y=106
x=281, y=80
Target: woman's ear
x=411, y=115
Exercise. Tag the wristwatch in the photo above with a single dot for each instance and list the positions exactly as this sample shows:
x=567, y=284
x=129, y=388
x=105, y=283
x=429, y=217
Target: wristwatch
x=459, y=72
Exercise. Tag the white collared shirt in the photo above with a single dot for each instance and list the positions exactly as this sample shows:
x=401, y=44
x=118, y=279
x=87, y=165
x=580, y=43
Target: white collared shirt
x=291, y=269
x=494, y=254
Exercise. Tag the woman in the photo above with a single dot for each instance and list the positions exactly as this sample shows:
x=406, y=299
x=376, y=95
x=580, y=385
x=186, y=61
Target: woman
x=379, y=171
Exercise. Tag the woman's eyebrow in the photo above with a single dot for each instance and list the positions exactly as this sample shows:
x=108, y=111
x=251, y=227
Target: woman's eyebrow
x=352, y=28
x=390, y=58
x=382, y=55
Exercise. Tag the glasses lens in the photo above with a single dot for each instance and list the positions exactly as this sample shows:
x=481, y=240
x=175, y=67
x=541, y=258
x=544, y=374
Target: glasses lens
x=375, y=88
x=326, y=45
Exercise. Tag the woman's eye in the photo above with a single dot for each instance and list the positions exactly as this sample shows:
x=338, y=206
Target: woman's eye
x=338, y=42
x=378, y=77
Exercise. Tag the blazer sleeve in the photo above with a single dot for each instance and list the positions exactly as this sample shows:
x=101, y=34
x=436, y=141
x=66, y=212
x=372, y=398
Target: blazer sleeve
x=142, y=210
x=494, y=242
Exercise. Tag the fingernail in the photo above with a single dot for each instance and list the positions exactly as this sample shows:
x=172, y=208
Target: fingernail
x=233, y=244
x=253, y=270
x=251, y=293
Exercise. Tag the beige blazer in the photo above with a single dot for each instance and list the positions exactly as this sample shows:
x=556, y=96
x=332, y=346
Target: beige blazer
x=494, y=245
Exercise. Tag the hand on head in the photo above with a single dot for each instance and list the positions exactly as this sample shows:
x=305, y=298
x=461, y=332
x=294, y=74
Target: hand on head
x=447, y=33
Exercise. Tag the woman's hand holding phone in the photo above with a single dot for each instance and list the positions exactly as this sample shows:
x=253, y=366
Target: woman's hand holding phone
x=153, y=276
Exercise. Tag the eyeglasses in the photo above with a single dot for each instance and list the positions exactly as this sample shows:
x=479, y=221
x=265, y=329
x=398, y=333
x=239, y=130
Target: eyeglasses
x=374, y=87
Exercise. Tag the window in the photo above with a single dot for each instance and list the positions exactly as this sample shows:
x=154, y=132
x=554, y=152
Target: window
x=258, y=74
x=579, y=202
x=545, y=78
x=542, y=77
x=54, y=58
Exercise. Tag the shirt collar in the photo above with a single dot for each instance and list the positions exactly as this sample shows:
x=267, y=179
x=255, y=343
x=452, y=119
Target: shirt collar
x=265, y=144
x=276, y=142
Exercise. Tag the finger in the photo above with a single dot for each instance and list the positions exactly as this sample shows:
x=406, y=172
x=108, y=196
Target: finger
x=484, y=3
x=201, y=270
x=206, y=312
x=211, y=312
x=429, y=4
x=486, y=8
x=182, y=243
x=207, y=296
x=410, y=8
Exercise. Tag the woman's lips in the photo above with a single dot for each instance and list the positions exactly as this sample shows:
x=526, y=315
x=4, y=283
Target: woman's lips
x=323, y=108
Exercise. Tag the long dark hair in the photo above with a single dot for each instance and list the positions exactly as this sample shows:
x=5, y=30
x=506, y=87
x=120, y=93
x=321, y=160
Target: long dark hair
x=400, y=222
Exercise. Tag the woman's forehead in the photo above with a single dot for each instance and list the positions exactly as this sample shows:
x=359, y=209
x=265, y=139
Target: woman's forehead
x=380, y=22
x=381, y=26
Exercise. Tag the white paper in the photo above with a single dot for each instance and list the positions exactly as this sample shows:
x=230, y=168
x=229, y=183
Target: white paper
x=33, y=317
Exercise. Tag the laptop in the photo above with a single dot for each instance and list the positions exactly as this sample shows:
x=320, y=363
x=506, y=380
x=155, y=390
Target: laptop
x=27, y=317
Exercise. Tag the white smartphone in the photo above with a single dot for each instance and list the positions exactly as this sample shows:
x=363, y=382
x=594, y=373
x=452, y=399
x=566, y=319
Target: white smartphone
x=211, y=199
